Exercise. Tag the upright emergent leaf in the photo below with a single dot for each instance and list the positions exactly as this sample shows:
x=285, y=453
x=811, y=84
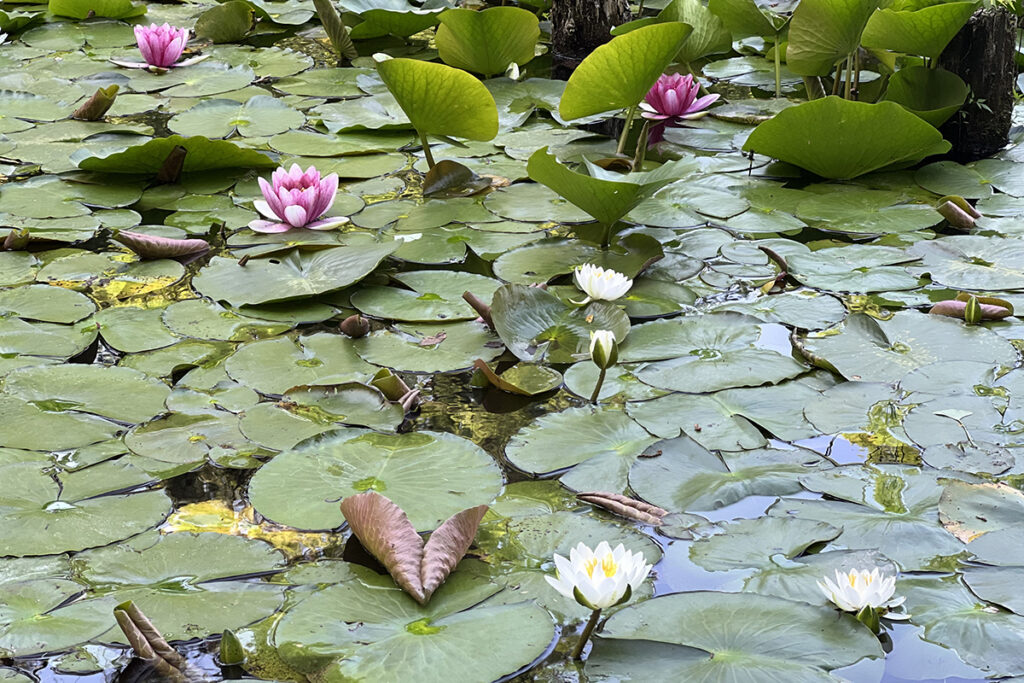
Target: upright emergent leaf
x=441, y=100
x=486, y=42
x=823, y=32
x=335, y=28
x=619, y=73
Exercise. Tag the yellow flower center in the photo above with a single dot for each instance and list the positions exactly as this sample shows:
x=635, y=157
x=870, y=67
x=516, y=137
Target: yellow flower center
x=608, y=566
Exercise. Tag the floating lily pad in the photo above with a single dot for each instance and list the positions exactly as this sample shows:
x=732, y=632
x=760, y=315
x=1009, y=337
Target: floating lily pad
x=599, y=444
x=293, y=275
x=686, y=477
x=273, y=366
x=41, y=518
x=871, y=350
x=759, y=636
x=392, y=635
x=535, y=324
x=301, y=487
x=445, y=347
x=433, y=296
x=202, y=154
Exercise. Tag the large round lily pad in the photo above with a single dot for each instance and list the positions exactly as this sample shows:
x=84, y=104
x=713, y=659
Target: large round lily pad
x=430, y=475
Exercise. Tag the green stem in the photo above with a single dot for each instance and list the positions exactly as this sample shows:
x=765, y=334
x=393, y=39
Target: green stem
x=630, y=113
x=593, y=399
x=836, y=78
x=856, y=74
x=426, y=150
x=577, y=652
x=641, y=145
x=848, y=84
x=607, y=239
x=778, y=68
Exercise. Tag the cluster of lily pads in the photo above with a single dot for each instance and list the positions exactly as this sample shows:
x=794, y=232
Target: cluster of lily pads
x=266, y=319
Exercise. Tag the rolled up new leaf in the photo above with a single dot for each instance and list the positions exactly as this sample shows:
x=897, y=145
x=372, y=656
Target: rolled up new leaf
x=148, y=643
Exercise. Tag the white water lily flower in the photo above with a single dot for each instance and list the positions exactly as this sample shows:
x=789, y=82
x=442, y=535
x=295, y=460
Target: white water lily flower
x=601, y=284
x=856, y=590
x=601, y=577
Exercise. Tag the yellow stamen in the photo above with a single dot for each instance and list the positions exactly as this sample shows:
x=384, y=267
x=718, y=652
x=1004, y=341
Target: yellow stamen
x=589, y=566
x=608, y=565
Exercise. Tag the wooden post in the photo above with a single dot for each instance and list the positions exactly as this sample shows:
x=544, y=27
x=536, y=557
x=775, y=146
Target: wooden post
x=579, y=26
x=982, y=54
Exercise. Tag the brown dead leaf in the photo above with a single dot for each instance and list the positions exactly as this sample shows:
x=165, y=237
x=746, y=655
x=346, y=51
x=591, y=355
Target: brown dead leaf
x=624, y=506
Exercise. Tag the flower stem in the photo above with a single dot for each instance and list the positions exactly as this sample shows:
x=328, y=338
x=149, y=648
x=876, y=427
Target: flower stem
x=577, y=652
x=778, y=68
x=848, y=85
x=597, y=391
x=630, y=113
x=426, y=150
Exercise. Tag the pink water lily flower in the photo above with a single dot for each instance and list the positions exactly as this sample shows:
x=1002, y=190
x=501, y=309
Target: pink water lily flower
x=161, y=47
x=674, y=96
x=296, y=200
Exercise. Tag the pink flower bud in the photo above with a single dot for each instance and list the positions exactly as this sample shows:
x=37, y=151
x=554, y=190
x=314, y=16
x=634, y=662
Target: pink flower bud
x=161, y=45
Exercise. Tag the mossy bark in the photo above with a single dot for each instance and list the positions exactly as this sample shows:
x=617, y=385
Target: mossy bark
x=982, y=54
x=579, y=26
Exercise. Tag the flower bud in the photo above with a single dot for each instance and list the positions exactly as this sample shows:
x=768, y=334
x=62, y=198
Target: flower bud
x=603, y=349
x=972, y=311
x=355, y=326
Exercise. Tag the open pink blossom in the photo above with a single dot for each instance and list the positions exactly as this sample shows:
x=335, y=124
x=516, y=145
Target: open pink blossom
x=296, y=200
x=674, y=96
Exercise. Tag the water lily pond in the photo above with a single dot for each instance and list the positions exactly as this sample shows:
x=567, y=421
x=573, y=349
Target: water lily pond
x=344, y=342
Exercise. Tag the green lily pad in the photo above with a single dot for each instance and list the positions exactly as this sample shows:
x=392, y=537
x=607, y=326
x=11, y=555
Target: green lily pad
x=687, y=477
x=871, y=350
x=301, y=487
x=600, y=445
x=293, y=275
x=444, y=347
x=116, y=393
x=933, y=94
x=953, y=617
x=32, y=620
x=487, y=41
x=433, y=296
x=392, y=635
x=534, y=323
x=925, y=31
x=973, y=262
x=619, y=73
x=747, y=543
x=890, y=508
x=259, y=116
x=441, y=100
x=823, y=32
x=43, y=518
x=837, y=138
x=273, y=366
x=46, y=304
x=202, y=154
x=748, y=636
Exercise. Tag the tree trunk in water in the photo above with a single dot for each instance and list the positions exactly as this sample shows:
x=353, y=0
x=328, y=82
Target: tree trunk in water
x=579, y=26
x=982, y=54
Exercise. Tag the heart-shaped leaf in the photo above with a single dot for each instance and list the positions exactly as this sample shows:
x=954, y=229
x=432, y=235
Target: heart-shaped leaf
x=619, y=73
x=385, y=531
x=441, y=100
x=487, y=42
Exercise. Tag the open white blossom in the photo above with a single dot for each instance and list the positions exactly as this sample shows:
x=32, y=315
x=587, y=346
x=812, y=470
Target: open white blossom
x=600, y=284
x=599, y=578
x=856, y=590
